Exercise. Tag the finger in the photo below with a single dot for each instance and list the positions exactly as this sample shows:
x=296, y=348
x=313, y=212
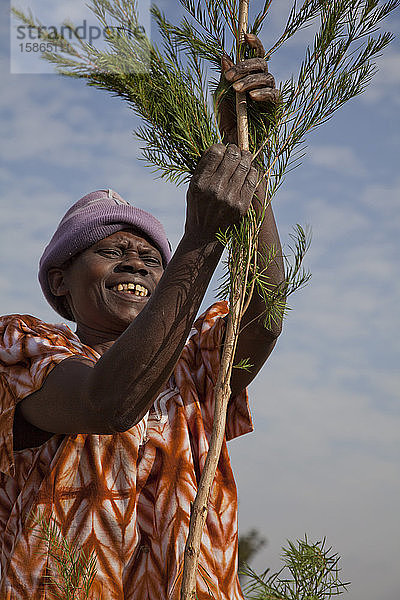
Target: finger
x=254, y=81
x=210, y=161
x=226, y=63
x=250, y=184
x=252, y=65
x=228, y=165
x=265, y=95
x=242, y=170
x=248, y=189
x=242, y=184
x=255, y=43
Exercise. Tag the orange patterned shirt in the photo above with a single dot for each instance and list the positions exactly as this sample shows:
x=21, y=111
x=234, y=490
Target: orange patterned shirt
x=128, y=495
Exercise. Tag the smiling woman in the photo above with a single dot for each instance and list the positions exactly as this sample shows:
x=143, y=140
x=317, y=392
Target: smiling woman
x=94, y=217
x=106, y=429
x=108, y=284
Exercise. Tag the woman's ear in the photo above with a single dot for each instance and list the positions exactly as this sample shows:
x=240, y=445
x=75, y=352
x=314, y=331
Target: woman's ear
x=56, y=280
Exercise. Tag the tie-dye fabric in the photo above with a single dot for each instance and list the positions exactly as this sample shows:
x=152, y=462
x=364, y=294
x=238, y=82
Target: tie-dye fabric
x=125, y=496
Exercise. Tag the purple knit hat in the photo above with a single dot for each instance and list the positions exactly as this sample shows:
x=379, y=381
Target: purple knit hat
x=93, y=218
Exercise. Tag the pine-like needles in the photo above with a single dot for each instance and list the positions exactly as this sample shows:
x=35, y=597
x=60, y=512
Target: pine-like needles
x=310, y=572
x=71, y=571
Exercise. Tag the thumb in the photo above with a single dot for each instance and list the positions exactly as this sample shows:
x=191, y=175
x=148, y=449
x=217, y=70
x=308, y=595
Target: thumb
x=254, y=42
x=226, y=63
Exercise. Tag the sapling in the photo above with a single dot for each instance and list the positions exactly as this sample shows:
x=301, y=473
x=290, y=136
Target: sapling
x=71, y=571
x=310, y=572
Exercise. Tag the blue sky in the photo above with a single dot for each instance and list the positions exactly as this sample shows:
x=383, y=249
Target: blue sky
x=324, y=457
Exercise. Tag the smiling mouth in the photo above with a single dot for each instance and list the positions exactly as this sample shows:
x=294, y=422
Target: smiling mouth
x=130, y=290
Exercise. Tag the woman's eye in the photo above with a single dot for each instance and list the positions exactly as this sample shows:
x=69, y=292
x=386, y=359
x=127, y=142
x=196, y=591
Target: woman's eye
x=151, y=260
x=111, y=252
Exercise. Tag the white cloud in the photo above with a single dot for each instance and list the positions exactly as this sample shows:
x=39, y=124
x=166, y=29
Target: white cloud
x=63, y=130
x=383, y=200
x=55, y=12
x=342, y=159
x=386, y=83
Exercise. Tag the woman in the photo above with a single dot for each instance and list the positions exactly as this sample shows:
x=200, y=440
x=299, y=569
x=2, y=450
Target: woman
x=106, y=430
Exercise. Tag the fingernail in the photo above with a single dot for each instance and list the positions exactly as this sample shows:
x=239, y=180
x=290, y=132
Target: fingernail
x=226, y=62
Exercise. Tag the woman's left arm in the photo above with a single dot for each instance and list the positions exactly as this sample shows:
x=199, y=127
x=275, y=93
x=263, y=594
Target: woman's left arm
x=255, y=342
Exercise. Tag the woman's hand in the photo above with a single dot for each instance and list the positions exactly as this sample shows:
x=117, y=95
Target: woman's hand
x=220, y=191
x=248, y=76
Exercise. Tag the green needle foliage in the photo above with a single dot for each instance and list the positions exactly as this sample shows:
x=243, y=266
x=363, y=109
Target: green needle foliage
x=310, y=572
x=244, y=364
x=71, y=570
x=169, y=90
x=275, y=297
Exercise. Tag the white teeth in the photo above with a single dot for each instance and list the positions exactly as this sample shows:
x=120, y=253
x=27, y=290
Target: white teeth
x=137, y=289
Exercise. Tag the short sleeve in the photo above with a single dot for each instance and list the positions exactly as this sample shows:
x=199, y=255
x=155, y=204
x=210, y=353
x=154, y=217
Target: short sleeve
x=29, y=350
x=203, y=356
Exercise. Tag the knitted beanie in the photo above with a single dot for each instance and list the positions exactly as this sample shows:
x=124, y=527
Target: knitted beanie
x=93, y=218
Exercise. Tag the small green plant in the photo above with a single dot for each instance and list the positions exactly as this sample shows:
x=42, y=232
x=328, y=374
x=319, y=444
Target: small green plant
x=310, y=572
x=71, y=570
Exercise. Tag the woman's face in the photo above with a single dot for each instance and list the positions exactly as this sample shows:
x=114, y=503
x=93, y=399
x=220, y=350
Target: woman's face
x=108, y=284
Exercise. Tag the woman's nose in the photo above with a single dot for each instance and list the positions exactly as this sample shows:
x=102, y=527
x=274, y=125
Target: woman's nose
x=131, y=264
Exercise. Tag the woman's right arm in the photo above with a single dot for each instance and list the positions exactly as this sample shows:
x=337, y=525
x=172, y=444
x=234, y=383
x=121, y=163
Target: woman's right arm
x=116, y=393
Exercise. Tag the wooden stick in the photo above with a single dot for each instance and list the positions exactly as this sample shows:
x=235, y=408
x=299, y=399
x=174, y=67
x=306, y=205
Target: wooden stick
x=199, y=508
x=241, y=104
